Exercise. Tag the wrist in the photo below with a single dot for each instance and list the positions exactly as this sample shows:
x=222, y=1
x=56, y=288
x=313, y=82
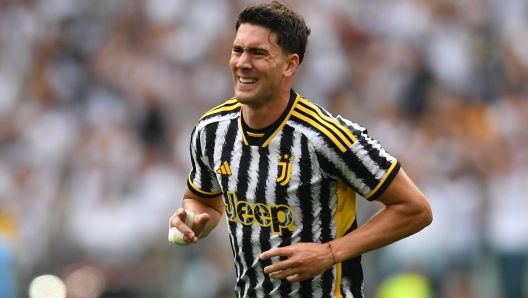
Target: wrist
x=331, y=252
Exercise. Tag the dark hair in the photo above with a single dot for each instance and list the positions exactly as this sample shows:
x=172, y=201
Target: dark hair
x=292, y=32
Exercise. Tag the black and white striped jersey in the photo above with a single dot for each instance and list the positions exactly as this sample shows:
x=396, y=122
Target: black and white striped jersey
x=294, y=182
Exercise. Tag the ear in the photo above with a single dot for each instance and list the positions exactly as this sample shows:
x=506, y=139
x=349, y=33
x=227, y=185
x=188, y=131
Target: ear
x=291, y=64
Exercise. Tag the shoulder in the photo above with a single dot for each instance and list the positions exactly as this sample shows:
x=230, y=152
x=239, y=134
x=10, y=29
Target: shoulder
x=317, y=122
x=228, y=110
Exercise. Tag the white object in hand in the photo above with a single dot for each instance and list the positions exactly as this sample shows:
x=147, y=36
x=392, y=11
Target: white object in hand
x=47, y=286
x=175, y=235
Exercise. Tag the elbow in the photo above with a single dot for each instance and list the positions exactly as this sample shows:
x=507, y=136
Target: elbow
x=425, y=216
x=420, y=216
x=429, y=216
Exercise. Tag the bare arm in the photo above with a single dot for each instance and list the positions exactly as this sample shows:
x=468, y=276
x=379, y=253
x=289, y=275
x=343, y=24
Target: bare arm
x=207, y=215
x=407, y=212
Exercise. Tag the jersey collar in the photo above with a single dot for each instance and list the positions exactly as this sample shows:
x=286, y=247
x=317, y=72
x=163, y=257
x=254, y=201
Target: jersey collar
x=262, y=137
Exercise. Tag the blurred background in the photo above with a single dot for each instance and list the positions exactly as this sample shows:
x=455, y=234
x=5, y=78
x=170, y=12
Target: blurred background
x=98, y=99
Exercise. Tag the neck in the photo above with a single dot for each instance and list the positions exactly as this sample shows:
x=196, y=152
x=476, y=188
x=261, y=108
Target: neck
x=264, y=115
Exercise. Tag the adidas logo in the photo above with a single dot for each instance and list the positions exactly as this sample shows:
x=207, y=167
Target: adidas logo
x=224, y=169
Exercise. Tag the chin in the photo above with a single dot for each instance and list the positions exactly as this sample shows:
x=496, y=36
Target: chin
x=254, y=97
x=244, y=97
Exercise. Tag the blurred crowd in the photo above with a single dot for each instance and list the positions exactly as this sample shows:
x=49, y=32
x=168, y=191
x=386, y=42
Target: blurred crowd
x=98, y=99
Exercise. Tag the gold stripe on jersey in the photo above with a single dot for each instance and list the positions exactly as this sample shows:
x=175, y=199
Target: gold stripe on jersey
x=226, y=106
x=329, y=120
x=283, y=122
x=394, y=163
x=230, y=101
x=201, y=191
x=346, y=197
x=319, y=119
x=255, y=135
x=345, y=216
x=242, y=129
x=322, y=129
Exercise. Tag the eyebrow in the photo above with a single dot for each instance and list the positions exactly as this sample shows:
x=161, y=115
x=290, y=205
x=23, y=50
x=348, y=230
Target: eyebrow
x=252, y=50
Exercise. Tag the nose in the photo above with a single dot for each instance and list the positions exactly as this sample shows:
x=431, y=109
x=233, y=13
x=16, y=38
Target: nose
x=244, y=61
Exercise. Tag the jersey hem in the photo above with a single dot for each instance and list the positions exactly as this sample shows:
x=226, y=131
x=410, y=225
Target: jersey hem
x=385, y=184
x=201, y=193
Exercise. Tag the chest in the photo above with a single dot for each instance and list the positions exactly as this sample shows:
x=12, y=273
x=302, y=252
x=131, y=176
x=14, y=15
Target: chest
x=279, y=168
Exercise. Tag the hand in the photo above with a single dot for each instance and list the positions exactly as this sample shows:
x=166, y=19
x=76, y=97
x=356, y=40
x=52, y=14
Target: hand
x=199, y=222
x=305, y=260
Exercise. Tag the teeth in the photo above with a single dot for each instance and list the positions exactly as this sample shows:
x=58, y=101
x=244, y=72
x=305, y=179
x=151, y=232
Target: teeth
x=247, y=81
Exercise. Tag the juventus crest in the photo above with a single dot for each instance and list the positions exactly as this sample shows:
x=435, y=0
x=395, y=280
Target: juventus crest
x=285, y=168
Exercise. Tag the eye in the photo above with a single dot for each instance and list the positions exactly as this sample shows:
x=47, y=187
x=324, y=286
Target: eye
x=237, y=50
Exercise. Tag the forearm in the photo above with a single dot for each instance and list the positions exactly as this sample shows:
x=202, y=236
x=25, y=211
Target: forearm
x=387, y=226
x=199, y=207
x=407, y=212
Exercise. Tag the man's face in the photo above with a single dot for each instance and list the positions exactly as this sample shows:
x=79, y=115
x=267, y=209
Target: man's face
x=257, y=64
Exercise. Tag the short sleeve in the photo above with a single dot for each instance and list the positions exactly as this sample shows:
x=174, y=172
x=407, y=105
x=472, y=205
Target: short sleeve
x=363, y=165
x=202, y=179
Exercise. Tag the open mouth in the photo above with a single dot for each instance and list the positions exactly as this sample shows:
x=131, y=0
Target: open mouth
x=247, y=81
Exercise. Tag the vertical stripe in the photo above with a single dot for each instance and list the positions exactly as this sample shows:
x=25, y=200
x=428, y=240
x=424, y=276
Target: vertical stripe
x=195, y=153
x=306, y=200
x=244, y=174
x=327, y=231
x=227, y=144
x=285, y=141
x=261, y=197
x=255, y=274
x=206, y=176
x=342, y=197
x=271, y=194
x=353, y=271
